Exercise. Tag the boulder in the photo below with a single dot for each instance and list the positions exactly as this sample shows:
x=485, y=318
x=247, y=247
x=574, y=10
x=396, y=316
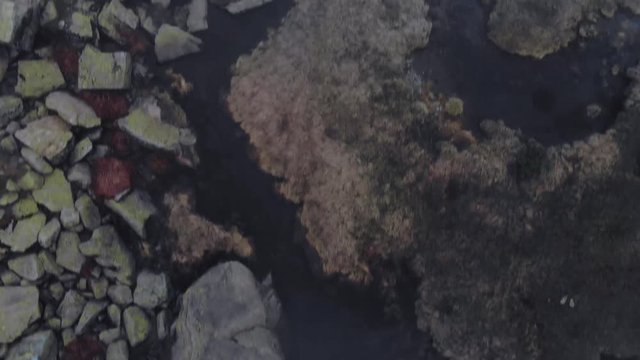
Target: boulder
x=118, y=351
x=10, y=108
x=120, y=294
x=115, y=18
x=89, y=314
x=71, y=308
x=240, y=6
x=49, y=233
x=197, y=18
x=151, y=131
x=19, y=308
x=37, y=162
x=89, y=212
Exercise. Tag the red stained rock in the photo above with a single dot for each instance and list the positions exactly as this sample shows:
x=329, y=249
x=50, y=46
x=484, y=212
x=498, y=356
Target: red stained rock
x=67, y=59
x=136, y=40
x=120, y=142
x=110, y=176
x=108, y=105
x=84, y=348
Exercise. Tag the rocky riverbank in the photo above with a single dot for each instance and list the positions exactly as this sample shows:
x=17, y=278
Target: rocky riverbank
x=93, y=226
x=522, y=251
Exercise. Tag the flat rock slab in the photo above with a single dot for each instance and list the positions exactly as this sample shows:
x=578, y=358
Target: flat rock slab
x=104, y=71
x=136, y=208
x=18, y=309
x=55, y=194
x=38, y=77
x=151, y=131
x=25, y=233
x=72, y=110
x=49, y=137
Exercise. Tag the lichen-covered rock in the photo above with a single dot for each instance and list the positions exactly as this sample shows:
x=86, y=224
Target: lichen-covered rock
x=135, y=209
x=152, y=290
x=49, y=137
x=80, y=25
x=70, y=308
x=89, y=314
x=38, y=77
x=109, y=251
x=120, y=294
x=37, y=162
x=10, y=108
x=68, y=253
x=72, y=110
x=89, y=212
x=116, y=18
x=81, y=150
x=118, y=351
x=28, y=267
x=55, y=194
x=25, y=233
x=19, y=308
x=173, y=42
x=70, y=218
x=80, y=174
x=151, y=131
x=136, y=324
x=49, y=233
x=104, y=71
x=42, y=345
x=25, y=207
x=30, y=181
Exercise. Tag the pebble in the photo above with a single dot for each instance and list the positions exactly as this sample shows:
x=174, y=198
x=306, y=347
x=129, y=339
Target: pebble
x=120, y=294
x=89, y=212
x=99, y=288
x=69, y=218
x=19, y=306
x=68, y=254
x=110, y=335
x=25, y=233
x=42, y=345
x=49, y=263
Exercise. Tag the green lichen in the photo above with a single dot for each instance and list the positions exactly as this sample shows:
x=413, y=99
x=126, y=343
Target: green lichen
x=38, y=77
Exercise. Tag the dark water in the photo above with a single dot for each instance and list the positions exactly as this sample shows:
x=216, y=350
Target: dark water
x=323, y=319
x=546, y=99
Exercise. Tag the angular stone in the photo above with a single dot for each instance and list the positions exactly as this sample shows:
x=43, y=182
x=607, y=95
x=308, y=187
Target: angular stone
x=99, y=288
x=120, y=294
x=68, y=335
x=9, y=198
x=107, y=71
x=19, y=308
x=110, y=335
x=118, y=351
x=89, y=314
x=68, y=254
x=8, y=278
x=70, y=308
x=151, y=131
x=25, y=207
x=9, y=21
x=80, y=25
x=38, y=77
x=25, y=234
x=49, y=263
x=10, y=108
x=48, y=137
x=89, y=212
x=197, y=19
x=136, y=208
x=57, y=291
x=80, y=174
x=9, y=145
x=172, y=42
x=81, y=150
x=116, y=18
x=152, y=290
x=28, y=267
x=240, y=6
x=56, y=194
x=49, y=233
x=37, y=162
x=136, y=325
x=110, y=252
x=69, y=218
x=115, y=315
x=15, y=19
x=42, y=345
x=72, y=110
x=30, y=181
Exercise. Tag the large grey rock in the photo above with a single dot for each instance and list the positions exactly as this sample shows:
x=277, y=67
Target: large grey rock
x=89, y=314
x=42, y=345
x=173, y=42
x=135, y=208
x=68, y=254
x=150, y=130
x=71, y=308
x=118, y=351
x=89, y=212
x=136, y=324
x=101, y=70
x=29, y=267
x=25, y=233
x=49, y=137
x=109, y=251
x=116, y=18
x=10, y=108
x=152, y=290
x=37, y=162
x=223, y=304
x=72, y=110
x=55, y=194
x=19, y=308
x=38, y=77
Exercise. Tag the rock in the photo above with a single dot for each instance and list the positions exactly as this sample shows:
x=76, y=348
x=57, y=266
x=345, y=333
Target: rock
x=25, y=207
x=104, y=71
x=55, y=194
x=80, y=25
x=81, y=150
x=120, y=294
x=115, y=18
x=36, y=161
x=240, y=6
x=90, y=313
x=72, y=110
x=115, y=314
x=19, y=308
x=162, y=324
x=68, y=335
x=11, y=18
x=152, y=290
x=42, y=345
x=163, y=3
x=110, y=335
x=99, y=288
x=9, y=198
x=9, y=145
x=111, y=177
x=195, y=236
x=80, y=174
x=30, y=181
x=27, y=266
x=272, y=304
x=25, y=234
x=69, y=218
x=151, y=131
x=197, y=19
x=57, y=291
x=136, y=208
x=89, y=212
x=110, y=251
x=49, y=263
x=49, y=233
x=136, y=325
x=118, y=351
x=8, y=278
x=48, y=137
x=10, y=108
x=38, y=77
x=71, y=308
x=68, y=254
x=223, y=304
x=172, y=42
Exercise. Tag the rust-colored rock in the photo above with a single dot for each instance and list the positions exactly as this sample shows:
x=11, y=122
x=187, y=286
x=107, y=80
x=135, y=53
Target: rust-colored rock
x=84, y=348
x=67, y=59
x=110, y=176
x=108, y=105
